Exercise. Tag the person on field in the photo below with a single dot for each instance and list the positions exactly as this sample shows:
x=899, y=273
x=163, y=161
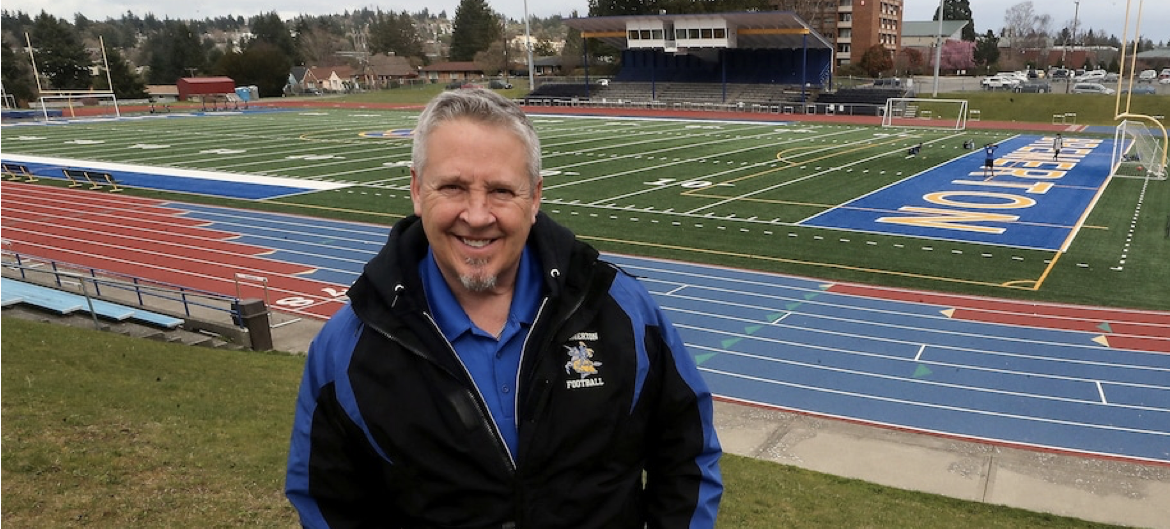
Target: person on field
x=989, y=160
x=1057, y=145
x=491, y=370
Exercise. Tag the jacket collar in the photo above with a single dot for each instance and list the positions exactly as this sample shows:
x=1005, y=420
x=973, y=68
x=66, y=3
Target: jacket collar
x=390, y=281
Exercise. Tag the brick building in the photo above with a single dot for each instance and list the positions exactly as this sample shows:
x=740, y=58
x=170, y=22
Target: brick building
x=853, y=26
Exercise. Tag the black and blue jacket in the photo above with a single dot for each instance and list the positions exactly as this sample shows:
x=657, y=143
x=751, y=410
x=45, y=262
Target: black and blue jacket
x=615, y=423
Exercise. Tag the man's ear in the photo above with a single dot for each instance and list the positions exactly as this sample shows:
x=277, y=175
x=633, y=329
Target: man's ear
x=537, y=192
x=415, y=191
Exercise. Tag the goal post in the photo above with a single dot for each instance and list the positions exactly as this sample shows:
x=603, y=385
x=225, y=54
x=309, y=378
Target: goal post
x=913, y=112
x=1139, y=151
x=64, y=104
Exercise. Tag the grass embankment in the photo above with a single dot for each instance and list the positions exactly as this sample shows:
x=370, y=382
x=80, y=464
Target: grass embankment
x=102, y=429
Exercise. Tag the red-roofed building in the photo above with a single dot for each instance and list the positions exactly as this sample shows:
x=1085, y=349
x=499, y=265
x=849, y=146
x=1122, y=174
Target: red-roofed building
x=202, y=86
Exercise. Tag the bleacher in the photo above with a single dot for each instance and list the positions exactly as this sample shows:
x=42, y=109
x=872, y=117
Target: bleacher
x=14, y=292
x=860, y=101
x=549, y=92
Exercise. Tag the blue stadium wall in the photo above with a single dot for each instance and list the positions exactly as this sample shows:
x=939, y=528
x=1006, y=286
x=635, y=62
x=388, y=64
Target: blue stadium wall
x=754, y=66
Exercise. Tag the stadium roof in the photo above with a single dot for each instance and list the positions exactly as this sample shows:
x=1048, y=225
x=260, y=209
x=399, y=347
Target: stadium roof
x=767, y=29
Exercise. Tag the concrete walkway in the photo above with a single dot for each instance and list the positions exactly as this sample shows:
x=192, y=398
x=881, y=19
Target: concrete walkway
x=1093, y=489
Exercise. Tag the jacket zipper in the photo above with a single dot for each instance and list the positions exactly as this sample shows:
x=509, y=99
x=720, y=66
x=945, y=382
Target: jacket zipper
x=542, y=399
x=488, y=422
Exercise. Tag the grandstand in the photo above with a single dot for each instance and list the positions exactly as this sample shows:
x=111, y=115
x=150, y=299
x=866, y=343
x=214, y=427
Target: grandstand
x=771, y=62
x=733, y=59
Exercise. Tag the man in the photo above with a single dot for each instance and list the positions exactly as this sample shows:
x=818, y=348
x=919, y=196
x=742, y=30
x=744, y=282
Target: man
x=1057, y=144
x=989, y=160
x=914, y=150
x=491, y=371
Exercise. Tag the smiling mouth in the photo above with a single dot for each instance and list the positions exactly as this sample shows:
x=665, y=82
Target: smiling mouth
x=476, y=243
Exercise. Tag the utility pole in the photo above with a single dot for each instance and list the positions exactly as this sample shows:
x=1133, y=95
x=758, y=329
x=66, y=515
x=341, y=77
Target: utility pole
x=938, y=48
x=528, y=45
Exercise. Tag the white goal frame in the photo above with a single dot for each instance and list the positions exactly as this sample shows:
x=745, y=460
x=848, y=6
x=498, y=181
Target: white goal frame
x=914, y=112
x=1138, y=151
x=69, y=102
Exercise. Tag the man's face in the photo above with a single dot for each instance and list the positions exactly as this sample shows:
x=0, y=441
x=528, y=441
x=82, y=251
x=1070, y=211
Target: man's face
x=476, y=204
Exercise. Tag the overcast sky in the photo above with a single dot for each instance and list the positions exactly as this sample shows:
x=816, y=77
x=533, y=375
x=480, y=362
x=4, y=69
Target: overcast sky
x=1107, y=15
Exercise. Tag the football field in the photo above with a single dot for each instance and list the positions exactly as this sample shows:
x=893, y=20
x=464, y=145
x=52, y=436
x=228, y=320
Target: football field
x=814, y=199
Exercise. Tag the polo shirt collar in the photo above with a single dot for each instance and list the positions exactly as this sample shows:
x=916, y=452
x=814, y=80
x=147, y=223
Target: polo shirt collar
x=453, y=321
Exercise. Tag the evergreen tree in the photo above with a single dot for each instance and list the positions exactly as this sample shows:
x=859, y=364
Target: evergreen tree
x=271, y=29
x=262, y=64
x=476, y=28
x=986, y=50
x=174, y=52
x=60, y=54
x=16, y=73
x=959, y=10
x=409, y=42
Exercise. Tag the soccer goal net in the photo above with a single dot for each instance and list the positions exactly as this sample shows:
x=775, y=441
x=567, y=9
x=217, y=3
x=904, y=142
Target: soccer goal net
x=74, y=105
x=950, y=114
x=1139, y=151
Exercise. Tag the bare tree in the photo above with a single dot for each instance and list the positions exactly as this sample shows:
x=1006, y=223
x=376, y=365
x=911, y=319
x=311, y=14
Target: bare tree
x=1026, y=28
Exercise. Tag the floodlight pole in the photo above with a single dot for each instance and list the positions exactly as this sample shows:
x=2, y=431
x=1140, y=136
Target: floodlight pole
x=528, y=45
x=938, y=48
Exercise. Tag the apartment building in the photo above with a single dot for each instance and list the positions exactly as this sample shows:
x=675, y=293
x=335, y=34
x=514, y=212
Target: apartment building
x=853, y=26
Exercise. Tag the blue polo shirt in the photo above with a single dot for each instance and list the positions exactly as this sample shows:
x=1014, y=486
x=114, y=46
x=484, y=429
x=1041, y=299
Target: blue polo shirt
x=492, y=362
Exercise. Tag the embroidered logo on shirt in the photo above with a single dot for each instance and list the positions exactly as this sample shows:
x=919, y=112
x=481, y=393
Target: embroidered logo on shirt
x=581, y=361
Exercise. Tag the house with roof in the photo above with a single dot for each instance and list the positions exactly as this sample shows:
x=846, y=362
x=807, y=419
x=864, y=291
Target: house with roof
x=445, y=72
x=383, y=71
x=300, y=81
x=334, y=78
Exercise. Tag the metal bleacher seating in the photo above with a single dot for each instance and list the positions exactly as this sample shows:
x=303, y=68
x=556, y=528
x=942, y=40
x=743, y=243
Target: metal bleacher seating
x=14, y=292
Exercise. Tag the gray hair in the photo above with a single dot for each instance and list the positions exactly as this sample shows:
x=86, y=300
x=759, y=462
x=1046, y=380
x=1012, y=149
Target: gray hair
x=481, y=106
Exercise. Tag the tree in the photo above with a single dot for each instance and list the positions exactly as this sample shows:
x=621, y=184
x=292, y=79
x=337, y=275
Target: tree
x=492, y=61
x=271, y=29
x=127, y=83
x=262, y=64
x=911, y=61
x=390, y=33
x=317, y=42
x=60, y=55
x=876, y=60
x=573, y=51
x=1026, y=29
x=959, y=10
x=476, y=28
x=986, y=50
x=16, y=73
x=174, y=52
x=957, y=55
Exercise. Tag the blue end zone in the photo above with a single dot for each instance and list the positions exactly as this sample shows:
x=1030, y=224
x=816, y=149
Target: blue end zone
x=1031, y=202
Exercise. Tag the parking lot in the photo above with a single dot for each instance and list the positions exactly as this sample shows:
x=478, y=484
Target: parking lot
x=951, y=84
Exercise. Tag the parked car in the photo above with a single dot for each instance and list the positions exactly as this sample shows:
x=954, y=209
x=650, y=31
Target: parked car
x=1164, y=77
x=999, y=82
x=1038, y=86
x=1111, y=77
x=498, y=84
x=1141, y=89
x=1148, y=76
x=1091, y=88
x=1060, y=73
x=1092, y=77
